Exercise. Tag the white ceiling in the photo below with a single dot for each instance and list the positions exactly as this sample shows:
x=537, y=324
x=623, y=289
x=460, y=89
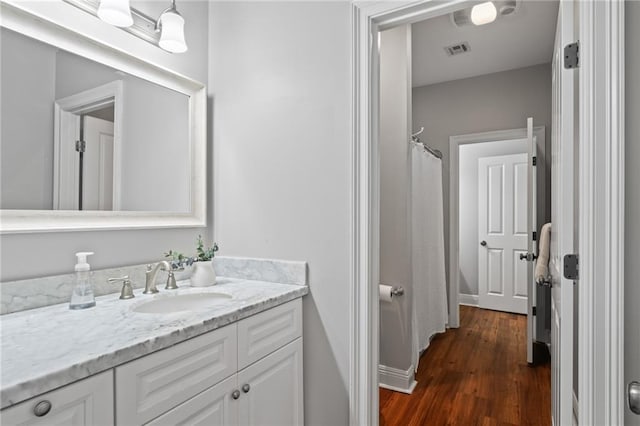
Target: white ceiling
x=520, y=40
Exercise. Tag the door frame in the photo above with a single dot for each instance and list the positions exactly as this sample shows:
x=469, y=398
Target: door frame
x=454, y=210
x=67, y=112
x=601, y=229
x=601, y=389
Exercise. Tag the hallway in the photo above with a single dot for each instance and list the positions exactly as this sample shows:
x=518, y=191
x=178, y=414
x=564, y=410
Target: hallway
x=475, y=375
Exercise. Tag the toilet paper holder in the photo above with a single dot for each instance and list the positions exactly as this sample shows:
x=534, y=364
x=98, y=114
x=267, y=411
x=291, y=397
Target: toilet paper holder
x=397, y=291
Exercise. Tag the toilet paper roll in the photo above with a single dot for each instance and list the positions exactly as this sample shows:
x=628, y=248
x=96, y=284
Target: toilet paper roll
x=385, y=293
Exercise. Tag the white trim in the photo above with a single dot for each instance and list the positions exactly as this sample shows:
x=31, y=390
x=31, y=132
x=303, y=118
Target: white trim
x=576, y=408
x=468, y=299
x=40, y=27
x=397, y=380
x=454, y=190
x=601, y=210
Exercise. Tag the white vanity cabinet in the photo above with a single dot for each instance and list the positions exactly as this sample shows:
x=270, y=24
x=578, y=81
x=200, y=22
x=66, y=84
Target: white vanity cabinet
x=86, y=402
x=247, y=373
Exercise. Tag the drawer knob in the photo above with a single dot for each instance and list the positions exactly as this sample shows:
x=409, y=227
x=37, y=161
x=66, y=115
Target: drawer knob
x=235, y=394
x=246, y=388
x=42, y=408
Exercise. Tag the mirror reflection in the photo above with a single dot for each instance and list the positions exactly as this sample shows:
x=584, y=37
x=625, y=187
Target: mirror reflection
x=78, y=135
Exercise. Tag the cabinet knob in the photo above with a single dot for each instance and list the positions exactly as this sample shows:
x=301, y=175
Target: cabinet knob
x=246, y=388
x=42, y=408
x=235, y=394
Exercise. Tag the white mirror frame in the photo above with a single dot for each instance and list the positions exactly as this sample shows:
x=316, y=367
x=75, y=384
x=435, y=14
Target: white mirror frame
x=27, y=221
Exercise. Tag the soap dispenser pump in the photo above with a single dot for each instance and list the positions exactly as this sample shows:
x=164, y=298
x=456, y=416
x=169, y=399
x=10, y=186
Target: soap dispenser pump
x=82, y=296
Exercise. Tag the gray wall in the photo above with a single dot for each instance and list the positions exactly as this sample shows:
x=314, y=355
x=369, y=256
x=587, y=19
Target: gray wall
x=395, y=249
x=282, y=108
x=632, y=199
x=468, y=204
x=28, y=88
x=497, y=101
x=53, y=253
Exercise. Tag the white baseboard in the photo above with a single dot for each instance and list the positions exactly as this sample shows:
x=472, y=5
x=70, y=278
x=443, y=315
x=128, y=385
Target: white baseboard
x=397, y=380
x=468, y=299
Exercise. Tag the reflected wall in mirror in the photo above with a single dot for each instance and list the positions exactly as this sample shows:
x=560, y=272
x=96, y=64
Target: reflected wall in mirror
x=80, y=135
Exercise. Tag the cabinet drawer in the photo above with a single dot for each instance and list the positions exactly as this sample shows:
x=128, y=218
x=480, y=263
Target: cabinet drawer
x=213, y=407
x=150, y=386
x=87, y=402
x=267, y=331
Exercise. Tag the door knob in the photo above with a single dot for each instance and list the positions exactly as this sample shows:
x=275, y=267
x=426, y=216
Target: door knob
x=633, y=395
x=235, y=394
x=483, y=243
x=528, y=257
x=246, y=388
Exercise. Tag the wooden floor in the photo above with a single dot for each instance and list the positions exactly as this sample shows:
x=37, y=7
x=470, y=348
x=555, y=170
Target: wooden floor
x=475, y=375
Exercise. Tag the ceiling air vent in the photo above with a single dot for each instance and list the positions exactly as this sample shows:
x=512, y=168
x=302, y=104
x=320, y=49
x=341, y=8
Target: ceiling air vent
x=457, y=49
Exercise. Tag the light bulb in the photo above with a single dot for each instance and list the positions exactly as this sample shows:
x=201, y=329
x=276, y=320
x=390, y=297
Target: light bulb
x=172, y=32
x=115, y=12
x=483, y=13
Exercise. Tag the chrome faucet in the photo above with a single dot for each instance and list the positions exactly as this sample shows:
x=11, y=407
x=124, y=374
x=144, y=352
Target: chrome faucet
x=150, y=275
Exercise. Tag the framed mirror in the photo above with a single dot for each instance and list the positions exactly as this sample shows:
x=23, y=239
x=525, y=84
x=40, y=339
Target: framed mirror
x=93, y=138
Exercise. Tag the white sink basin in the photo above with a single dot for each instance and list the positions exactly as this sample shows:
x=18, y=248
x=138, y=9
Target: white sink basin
x=182, y=302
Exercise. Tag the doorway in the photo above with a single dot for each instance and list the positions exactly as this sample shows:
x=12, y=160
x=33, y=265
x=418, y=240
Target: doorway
x=601, y=128
x=458, y=118
x=87, y=149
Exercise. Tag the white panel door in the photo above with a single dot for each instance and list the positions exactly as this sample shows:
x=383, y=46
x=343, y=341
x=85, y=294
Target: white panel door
x=563, y=200
x=502, y=232
x=271, y=389
x=97, y=173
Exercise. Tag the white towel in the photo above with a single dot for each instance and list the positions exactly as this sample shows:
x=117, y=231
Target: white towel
x=542, y=264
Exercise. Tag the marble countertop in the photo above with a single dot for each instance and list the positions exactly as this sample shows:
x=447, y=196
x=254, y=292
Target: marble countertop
x=45, y=348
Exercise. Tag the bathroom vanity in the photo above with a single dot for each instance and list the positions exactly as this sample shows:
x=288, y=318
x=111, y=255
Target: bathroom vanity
x=237, y=361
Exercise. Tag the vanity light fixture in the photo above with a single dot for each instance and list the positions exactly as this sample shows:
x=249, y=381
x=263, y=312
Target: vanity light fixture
x=484, y=13
x=171, y=27
x=115, y=12
x=167, y=31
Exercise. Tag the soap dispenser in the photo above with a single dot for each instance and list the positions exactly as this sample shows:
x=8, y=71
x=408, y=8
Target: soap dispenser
x=82, y=296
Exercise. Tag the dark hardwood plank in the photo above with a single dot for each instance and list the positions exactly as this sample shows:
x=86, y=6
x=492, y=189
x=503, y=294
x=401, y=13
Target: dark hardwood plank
x=475, y=375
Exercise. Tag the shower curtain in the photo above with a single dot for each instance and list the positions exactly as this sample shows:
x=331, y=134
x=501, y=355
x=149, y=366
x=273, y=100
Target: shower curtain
x=430, y=311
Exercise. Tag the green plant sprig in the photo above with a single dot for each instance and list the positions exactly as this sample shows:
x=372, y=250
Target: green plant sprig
x=205, y=253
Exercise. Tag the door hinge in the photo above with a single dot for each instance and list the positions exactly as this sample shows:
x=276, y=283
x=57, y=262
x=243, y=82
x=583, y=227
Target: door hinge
x=571, y=266
x=572, y=55
x=534, y=161
x=81, y=146
x=535, y=236
x=534, y=312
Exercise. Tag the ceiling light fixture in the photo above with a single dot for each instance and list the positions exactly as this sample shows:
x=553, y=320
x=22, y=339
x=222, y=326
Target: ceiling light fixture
x=115, y=12
x=483, y=13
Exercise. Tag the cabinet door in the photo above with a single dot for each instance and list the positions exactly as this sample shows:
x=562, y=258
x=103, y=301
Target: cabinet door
x=213, y=407
x=87, y=402
x=156, y=383
x=274, y=394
